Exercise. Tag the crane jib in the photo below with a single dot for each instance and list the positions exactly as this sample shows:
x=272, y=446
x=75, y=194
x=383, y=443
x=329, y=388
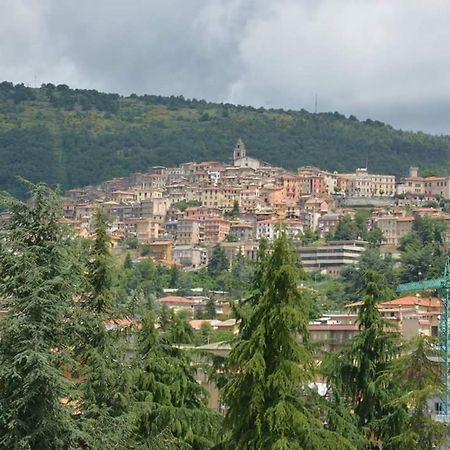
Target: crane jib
x=437, y=283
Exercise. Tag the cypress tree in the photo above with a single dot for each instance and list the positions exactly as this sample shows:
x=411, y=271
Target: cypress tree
x=36, y=286
x=271, y=367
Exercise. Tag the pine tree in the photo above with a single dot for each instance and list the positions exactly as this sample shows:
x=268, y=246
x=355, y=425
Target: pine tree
x=37, y=287
x=271, y=366
x=356, y=372
x=169, y=405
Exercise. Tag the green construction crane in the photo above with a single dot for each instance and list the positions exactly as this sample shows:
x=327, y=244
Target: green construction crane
x=442, y=285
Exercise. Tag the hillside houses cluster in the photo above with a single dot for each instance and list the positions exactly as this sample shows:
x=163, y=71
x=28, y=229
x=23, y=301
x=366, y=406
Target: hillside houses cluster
x=182, y=212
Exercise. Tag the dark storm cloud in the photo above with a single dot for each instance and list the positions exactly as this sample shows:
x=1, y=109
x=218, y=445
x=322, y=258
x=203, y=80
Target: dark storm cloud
x=383, y=59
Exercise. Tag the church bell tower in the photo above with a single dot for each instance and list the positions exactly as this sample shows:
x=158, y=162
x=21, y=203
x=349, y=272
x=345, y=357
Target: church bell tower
x=239, y=151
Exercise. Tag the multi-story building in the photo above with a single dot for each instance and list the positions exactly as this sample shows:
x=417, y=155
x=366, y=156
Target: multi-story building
x=249, y=199
x=212, y=196
x=190, y=231
x=394, y=227
x=155, y=208
x=267, y=229
x=364, y=184
x=332, y=257
x=145, y=230
x=190, y=256
x=291, y=186
x=216, y=228
x=427, y=187
x=244, y=231
x=249, y=249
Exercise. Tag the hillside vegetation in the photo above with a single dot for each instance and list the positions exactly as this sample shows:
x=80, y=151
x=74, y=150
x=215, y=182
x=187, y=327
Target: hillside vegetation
x=77, y=137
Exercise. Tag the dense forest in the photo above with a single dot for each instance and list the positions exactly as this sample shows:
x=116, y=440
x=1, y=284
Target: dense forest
x=78, y=137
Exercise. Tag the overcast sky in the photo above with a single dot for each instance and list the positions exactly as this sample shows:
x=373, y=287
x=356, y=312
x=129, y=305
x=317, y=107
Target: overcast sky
x=384, y=59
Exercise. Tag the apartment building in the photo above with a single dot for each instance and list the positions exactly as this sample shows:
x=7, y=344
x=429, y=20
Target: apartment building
x=332, y=257
x=145, y=230
x=393, y=227
x=189, y=231
x=364, y=184
x=216, y=228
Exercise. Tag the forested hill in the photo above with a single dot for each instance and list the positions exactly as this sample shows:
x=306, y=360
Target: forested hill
x=77, y=137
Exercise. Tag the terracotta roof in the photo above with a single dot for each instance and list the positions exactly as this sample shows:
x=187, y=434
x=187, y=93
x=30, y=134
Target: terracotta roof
x=432, y=302
x=414, y=301
x=196, y=324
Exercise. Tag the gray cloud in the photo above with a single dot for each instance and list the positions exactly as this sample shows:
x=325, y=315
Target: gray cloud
x=383, y=59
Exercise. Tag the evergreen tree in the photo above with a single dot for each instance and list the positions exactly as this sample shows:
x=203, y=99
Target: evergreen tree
x=270, y=367
x=169, y=405
x=99, y=296
x=180, y=331
x=100, y=353
x=357, y=371
x=174, y=277
x=128, y=263
x=37, y=284
x=420, y=380
x=218, y=261
x=165, y=318
x=211, y=310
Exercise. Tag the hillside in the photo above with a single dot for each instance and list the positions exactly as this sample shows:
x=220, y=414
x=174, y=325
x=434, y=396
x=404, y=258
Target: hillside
x=80, y=137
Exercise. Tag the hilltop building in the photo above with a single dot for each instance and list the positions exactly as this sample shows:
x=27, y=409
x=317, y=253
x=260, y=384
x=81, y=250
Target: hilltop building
x=240, y=158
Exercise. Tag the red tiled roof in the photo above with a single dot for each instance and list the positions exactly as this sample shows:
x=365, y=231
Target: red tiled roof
x=432, y=302
x=196, y=324
x=414, y=301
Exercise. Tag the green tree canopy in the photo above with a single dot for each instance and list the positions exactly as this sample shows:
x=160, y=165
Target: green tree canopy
x=37, y=285
x=167, y=399
x=270, y=367
x=218, y=261
x=356, y=372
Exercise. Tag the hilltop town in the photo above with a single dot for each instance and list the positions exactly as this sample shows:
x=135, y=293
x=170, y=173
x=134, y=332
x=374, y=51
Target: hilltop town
x=182, y=212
